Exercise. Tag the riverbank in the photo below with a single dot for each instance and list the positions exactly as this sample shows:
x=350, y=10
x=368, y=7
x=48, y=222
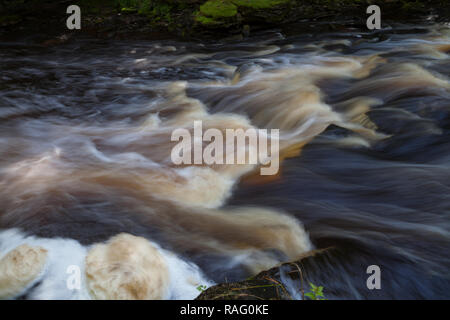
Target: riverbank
x=150, y=19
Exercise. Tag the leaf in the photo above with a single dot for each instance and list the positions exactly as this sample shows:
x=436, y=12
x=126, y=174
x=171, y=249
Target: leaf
x=201, y=288
x=320, y=291
x=310, y=295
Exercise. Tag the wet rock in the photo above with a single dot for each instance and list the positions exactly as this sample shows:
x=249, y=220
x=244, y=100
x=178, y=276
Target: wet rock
x=19, y=268
x=246, y=30
x=266, y=285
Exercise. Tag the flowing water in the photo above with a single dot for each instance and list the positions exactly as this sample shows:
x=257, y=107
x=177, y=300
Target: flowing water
x=364, y=123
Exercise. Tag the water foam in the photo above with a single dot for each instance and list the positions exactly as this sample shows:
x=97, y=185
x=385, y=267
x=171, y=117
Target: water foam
x=123, y=257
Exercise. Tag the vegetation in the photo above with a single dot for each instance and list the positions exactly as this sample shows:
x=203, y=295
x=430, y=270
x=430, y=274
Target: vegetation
x=218, y=9
x=316, y=292
x=201, y=288
x=116, y=18
x=259, y=4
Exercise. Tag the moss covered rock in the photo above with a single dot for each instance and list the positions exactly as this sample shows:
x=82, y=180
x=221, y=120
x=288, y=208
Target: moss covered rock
x=266, y=285
x=217, y=14
x=218, y=9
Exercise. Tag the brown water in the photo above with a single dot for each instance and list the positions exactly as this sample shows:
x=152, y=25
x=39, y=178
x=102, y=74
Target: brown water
x=364, y=133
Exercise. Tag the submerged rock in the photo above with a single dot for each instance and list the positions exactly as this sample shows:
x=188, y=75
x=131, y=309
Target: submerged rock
x=127, y=267
x=20, y=268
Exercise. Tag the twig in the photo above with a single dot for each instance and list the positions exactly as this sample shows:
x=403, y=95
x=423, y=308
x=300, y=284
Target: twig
x=302, y=291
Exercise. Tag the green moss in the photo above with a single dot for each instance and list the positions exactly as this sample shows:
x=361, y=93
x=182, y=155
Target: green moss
x=161, y=9
x=205, y=20
x=259, y=4
x=218, y=9
x=94, y=7
x=128, y=10
x=145, y=7
x=132, y=6
x=131, y=3
x=412, y=6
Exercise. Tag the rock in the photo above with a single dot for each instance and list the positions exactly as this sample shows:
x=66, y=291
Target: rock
x=58, y=40
x=246, y=30
x=126, y=267
x=266, y=285
x=19, y=268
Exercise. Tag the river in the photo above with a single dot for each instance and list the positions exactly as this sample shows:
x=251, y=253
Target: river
x=364, y=123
